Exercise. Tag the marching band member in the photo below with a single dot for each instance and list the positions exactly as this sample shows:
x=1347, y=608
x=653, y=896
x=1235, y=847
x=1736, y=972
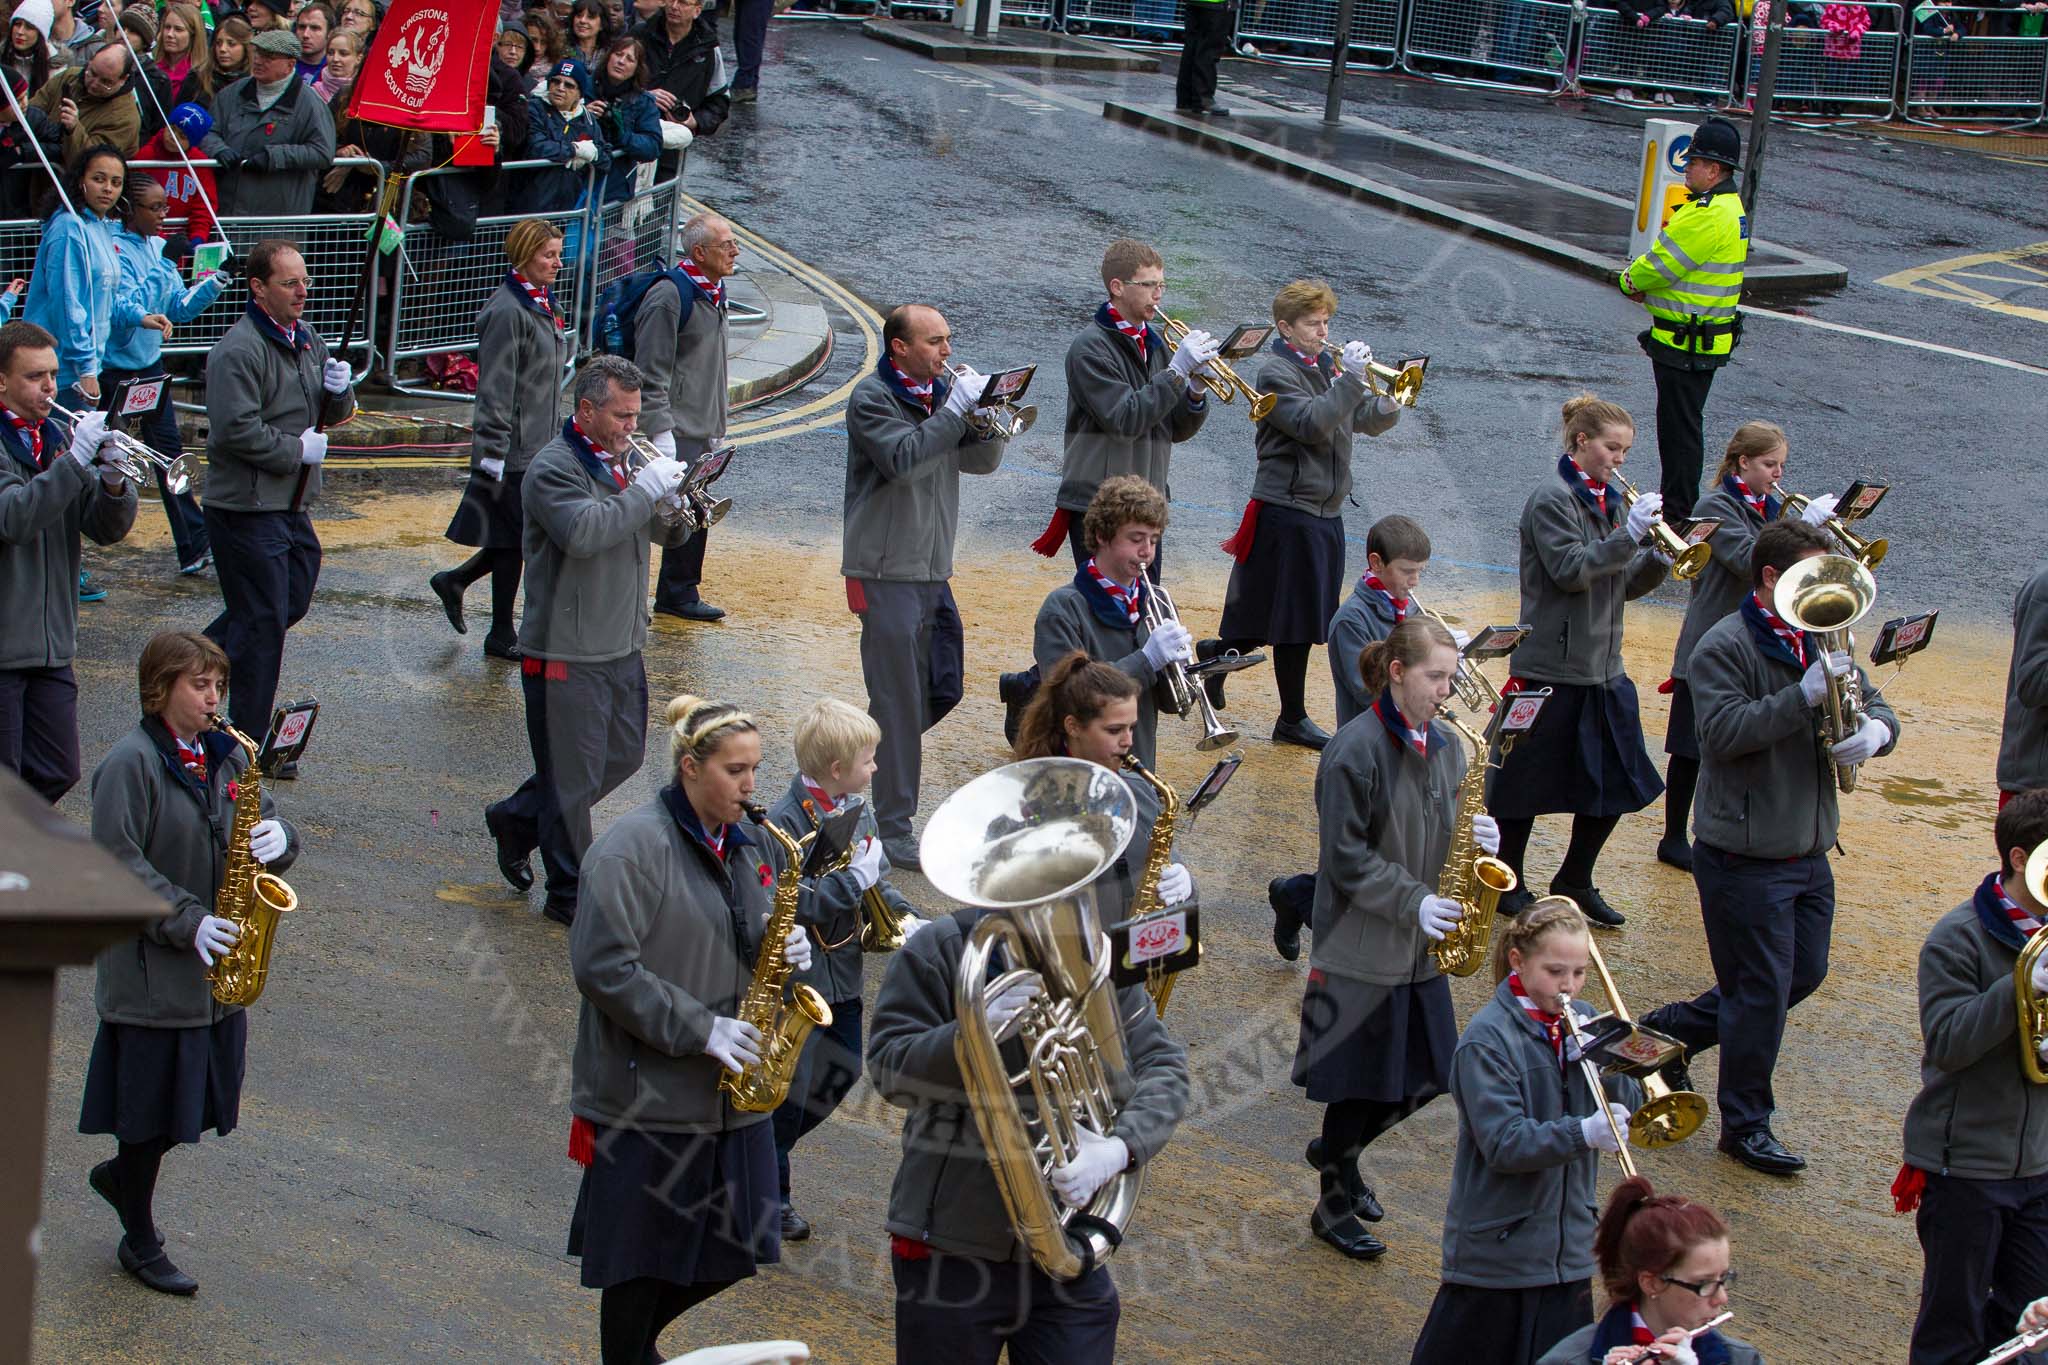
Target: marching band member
x=1976, y=1141
x=1377, y=1026
x=1289, y=548
x=167, y=1062
x=680, y=342
x=271, y=392
x=1101, y=612
x=588, y=526
x=1664, y=1267
x=835, y=757
x=523, y=345
x=966, y=1288
x=1529, y=1144
x=678, y=1194
x=1582, y=558
x=908, y=442
x=2023, y=744
x=52, y=490
x=1129, y=401
x=1766, y=817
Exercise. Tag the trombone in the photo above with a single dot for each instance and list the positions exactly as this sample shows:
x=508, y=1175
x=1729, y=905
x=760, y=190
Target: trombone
x=1869, y=553
x=1403, y=382
x=1686, y=560
x=1217, y=376
x=136, y=459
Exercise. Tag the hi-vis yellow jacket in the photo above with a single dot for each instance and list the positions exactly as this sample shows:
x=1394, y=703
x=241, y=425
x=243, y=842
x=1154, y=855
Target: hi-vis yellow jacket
x=1692, y=276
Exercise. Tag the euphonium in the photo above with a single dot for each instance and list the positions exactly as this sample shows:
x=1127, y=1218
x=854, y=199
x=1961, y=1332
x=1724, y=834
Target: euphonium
x=784, y=1023
x=1475, y=880
x=1178, y=690
x=1686, y=560
x=1824, y=595
x=1158, y=854
x=2033, y=1008
x=1025, y=843
x=1220, y=379
x=249, y=896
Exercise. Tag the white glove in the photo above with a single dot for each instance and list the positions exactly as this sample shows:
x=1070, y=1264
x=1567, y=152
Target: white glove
x=87, y=437
x=1486, y=834
x=1175, y=885
x=215, y=937
x=1438, y=915
x=1599, y=1133
x=966, y=391
x=267, y=841
x=796, y=949
x=2036, y=1316
x=1168, y=643
x=1813, y=684
x=734, y=1044
x=1643, y=515
x=1009, y=1002
x=583, y=152
x=659, y=477
x=1819, y=510
x=312, y=446
x=491, y=467
x=866, y=866
x=1196, y=349
x=1872, y=735
x=665, y=443
x=1357, y=355
x=334, y=376
x=1460, y=638
x=2040, y=981
x=1098, y=1159
x=913, y=926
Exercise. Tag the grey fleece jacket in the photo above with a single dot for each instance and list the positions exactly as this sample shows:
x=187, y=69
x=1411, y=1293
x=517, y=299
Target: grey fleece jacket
x=831, y=905
x=1726, y=580
x=1976, y=1116
x=519, y=383
x=1383, y=820
x=1304, y=443
x=1524, y=1184
x=903, y=471
x=1577, y=571
x=2023, y=747
x=42, y=515
x=1124, y=415
x=1767, y=786
x=260, y=399
x=944, y=1194
x=1066, y=622
x=654, y=952
x=1364, y=619
x=586, y=554
x=684, y=361
x=149, y=815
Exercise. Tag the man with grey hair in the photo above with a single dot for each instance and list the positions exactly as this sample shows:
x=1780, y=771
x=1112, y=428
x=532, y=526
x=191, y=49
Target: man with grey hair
x=589, y=522
x=679, y=342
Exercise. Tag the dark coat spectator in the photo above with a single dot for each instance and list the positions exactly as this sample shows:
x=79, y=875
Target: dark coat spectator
x=626, y=115
x=21, y=173
x=561, y=131
x=689, y=82
x=271, y=135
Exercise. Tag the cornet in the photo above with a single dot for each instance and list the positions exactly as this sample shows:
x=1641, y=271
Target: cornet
x=689, y=504
x=1686, y=560
x=135, y=459
x=1403, y=382
x=1003, y=420
x=1180, y=691
x=1217, y=376
x=1869, y=553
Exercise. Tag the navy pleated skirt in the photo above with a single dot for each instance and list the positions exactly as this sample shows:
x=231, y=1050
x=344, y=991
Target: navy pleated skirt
x=1682, y=737
x=688, y=1208
x=1286, y=590
x=1361, y=1041
x=1584, y=756
x=489, y=516
x=148, y=1083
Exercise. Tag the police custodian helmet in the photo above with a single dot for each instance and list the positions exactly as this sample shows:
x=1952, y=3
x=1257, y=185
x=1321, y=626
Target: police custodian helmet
x=1717, y=140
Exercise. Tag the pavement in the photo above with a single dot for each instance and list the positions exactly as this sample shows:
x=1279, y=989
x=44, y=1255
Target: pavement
x=1009, y=45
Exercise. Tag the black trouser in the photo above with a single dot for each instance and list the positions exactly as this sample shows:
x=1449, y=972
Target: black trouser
x=39, y=728
x=682, y=569
x=1985, y=1243
x=267, y=563
x=1209, y=25
x=829, y=1067
x=749, y=36
x=159, y=428
x=1681, y=442
x=962, y=1310
x=1767, y=923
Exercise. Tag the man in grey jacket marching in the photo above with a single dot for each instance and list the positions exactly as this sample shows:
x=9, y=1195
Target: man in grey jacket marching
x=907, y=444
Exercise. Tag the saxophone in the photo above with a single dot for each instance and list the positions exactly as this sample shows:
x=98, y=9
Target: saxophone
x=1473, y=879
x=252, y=898
x=784, y=1024
x=1158, y=853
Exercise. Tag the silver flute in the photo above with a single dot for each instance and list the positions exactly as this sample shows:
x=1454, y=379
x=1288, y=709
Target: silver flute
x=2017, y=1347
x=1656, y=1352
x=136, y=459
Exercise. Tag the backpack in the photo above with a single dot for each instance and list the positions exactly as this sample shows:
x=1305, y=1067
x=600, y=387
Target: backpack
x=611, y=327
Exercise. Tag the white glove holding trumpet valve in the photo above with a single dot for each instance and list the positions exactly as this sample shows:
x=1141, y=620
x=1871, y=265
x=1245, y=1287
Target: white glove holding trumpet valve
x=1194, y=352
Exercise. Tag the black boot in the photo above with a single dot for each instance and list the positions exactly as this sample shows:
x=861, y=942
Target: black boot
x=1335, y=1223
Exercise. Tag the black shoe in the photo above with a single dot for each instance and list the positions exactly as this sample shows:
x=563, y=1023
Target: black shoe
x=1675, y=851
x=1593, y=905
x=1336, y=1224
x=1015, y=689
x=562, y=912
x=1286, y=925
x=794, y=1226
x=154, y=1269
x=516, y=868
x=450, y=592
x=1217, y=111
x=1187, y=109
x=1760, y=1151
x=1515, y=903
x=1364, y=1202
x=1678, y=1072
x=1304, y=732
x=498, y=649
x=693, y=611
x=902, y=855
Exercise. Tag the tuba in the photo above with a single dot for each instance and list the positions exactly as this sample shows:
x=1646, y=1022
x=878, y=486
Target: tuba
x=253, y=898
x=1475, y=880
x=1025, y=843
x=784, y=1023
x=2033, y=1009
x=1824, y=595
x=1178, y=690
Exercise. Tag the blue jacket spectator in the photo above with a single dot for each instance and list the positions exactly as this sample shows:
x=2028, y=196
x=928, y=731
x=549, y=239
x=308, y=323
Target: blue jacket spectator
x=561, y=131
x=626, y=114
x=150, y=284
x=71, y=287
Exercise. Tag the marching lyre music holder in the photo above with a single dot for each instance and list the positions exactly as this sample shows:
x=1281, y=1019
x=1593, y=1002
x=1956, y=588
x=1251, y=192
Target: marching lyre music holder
x=1168, y=940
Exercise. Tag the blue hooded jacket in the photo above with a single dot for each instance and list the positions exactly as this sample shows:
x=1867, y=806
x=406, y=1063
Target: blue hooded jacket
x=150, y=284
x=71, y=290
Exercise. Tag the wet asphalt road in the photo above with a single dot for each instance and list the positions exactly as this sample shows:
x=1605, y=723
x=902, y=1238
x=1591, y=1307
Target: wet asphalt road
x=397, y=1189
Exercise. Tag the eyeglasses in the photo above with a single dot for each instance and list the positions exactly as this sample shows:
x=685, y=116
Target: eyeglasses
x=1706, y=1289
x=1155, y=286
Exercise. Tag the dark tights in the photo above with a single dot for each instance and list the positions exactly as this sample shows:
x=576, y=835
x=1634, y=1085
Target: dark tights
x=1290, y=674
x=1681, y=775
x=1589, y=836
x=135, y=1169
x=632, y=1316
x=503, y=567
x=1350, y=1126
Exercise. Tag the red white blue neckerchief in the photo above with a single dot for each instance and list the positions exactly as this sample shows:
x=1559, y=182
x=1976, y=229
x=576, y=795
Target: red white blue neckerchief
x=193, y=759
x=716, y=842
x=1136, y=331
x=1794, y=638
x=1551, y=1024
x=1594, y=492
x=295, y=338
x=31, y=435
x=921, y=392
x=1641, y=1330
x=1389, y=712
x=1759, y=503
x=615, y=463
x=1124, y=597
x=2021, y=920
x=714, y=292
x=542, y=300
x=1397, y=605
x=825, y=803
x=1312, y=361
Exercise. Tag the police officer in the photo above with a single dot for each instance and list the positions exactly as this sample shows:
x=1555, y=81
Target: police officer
x=1690, y=281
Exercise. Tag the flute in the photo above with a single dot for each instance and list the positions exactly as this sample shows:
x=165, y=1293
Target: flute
x=1657, y=1351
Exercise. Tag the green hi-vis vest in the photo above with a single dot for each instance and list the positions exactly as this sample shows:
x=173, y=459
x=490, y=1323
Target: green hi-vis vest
x=1692, y=275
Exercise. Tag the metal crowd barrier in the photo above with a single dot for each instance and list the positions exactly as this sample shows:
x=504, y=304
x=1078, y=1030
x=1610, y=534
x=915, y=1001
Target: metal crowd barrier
x=1975, y=78
x=1844, y=77
x=1375, y=27
x=1524, y=43
x=1677, y=56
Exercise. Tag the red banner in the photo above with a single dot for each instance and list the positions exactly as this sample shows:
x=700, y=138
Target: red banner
x=429, y=66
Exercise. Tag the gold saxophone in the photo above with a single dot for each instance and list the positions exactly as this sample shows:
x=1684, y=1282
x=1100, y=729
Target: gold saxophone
x=252, y=898
x=1158, y=853
x=1473, y=879
x=784, y=1024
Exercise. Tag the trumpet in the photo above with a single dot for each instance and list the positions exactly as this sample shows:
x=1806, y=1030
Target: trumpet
x=1824, y=595
x=137, y=460
x=1869, y=553
x=1004, y=420
x=1686, y=560
x=1403, y=382
x=1219, y=379
x=689, y=504
x=1178, y=690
